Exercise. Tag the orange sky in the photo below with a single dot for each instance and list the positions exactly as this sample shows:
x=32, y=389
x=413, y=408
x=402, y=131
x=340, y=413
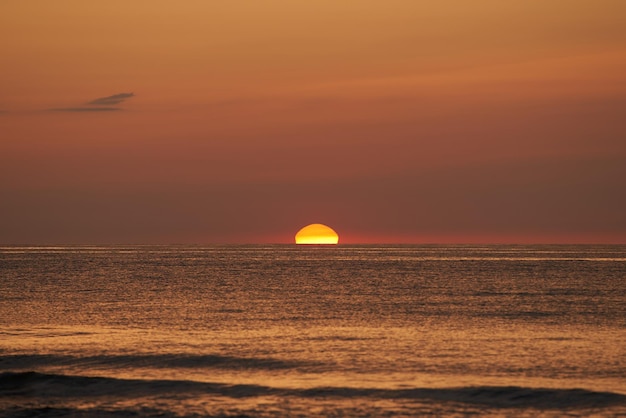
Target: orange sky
x=396, y=121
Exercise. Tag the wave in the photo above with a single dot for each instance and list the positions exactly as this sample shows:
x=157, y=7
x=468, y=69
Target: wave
x=33, y=361
x=48, y=386
x=69, y=412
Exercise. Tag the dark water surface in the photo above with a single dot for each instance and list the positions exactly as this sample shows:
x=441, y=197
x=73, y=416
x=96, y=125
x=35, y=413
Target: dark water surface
x=313, y=331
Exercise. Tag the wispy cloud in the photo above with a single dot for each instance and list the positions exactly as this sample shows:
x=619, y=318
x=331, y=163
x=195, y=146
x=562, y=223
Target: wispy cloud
x=111, y=100
x=101, y=104
x=85, y=109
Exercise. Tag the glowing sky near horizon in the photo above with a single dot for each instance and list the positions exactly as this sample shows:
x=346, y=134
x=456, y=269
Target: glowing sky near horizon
x=397, y=121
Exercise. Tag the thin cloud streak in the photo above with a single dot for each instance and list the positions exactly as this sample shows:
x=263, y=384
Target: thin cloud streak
x=86, y=109
x=111, y=100
x=101, y=104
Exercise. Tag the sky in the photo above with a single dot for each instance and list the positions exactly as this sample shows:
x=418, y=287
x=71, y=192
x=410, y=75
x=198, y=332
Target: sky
x=449, y=121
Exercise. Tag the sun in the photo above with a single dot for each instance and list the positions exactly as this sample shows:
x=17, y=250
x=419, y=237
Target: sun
x=317, y=234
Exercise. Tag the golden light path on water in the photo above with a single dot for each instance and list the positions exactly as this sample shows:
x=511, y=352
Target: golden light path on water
x=286, y=330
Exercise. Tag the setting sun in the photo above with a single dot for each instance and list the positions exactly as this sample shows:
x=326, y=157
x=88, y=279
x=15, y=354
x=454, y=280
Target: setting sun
x=317, y=234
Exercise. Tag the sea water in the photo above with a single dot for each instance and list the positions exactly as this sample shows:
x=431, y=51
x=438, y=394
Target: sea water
x=287, y=330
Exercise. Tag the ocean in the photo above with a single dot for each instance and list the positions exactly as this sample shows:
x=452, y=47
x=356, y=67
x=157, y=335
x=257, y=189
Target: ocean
x=313, y=331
